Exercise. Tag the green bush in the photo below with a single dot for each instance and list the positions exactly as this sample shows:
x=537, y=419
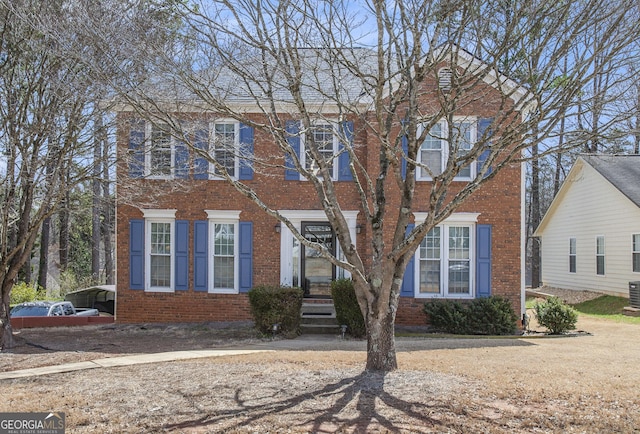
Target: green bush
x=446, y=315
x=491, y=316
x=276, y=305
x=482, y=316
x=556, y=316
x=23, y=292
x=347, y=308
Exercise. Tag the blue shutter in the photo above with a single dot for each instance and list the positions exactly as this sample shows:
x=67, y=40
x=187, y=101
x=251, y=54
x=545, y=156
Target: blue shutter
x=246, y=144
x=182, y=255
x=200, y=255
x=405, y=151
x=408, y=281
x=344, y=169
x=136, y=254
x=136, y=148
x=484, y=125
x=483, y=260
x=246, y=256
x=293, y=129
x=201, y=142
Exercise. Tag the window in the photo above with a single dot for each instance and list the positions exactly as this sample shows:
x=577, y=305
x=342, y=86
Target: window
x=326, y=143
x=223, y=251
x=160, y=243
x=445, y=261
x=635, y=256
x=435, y=149
x=224, y=147
x=572, y=255
x=600, y=255
x=160, y=158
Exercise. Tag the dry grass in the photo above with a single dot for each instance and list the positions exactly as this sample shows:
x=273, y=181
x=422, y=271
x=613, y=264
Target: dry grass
x=568, y=384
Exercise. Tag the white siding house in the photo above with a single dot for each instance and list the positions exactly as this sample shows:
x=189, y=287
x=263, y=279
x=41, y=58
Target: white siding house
x=591, y=233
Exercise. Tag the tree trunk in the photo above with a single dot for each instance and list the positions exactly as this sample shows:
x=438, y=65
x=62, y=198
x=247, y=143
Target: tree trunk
x=6, y=332
x=381, y=345
x=43, y=269
x=107, y=212
x=96, y=209
x=64, y=233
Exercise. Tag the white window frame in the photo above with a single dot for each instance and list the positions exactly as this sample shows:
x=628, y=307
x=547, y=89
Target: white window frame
x=159, y=216
x=455, y=220
x=635, y=250
x=236, y=147
x=573, y=253
x=336, y=147
x=223, y=217
x=149, y=144
x=601, y=254
x=473, y=128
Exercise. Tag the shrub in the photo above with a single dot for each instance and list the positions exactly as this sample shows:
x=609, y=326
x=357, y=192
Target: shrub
x=446, y=315
x=556, y=316
x=23, y=292
x=485, y=316
x=347, y=308
x=491, y=316
x=276, y=305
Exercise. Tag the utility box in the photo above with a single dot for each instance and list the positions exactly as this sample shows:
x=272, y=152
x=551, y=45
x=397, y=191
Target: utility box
x=634, y=294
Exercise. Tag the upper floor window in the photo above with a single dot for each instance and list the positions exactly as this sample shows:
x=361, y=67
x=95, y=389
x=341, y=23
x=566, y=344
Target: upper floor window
x=635, y=255
x=435, y=149
x=223, y=148
x=326, y=142
x=600, y=255
x=160, y=160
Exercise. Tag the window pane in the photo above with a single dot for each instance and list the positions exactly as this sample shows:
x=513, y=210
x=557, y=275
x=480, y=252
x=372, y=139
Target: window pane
x=430, y=277
x=223, y=272
x=431, y=152
x=223, y=148
x=636, y=262
x=636, y=253
x=458, y=242
x=224, y=240
x=462, y=138
x=160, y=151
x=459, y=277
x=600, y=245
x=459, y=251
x=160, y=271
x=600, y=265
x=161, y=238
x=572, y=264
x=572, y=246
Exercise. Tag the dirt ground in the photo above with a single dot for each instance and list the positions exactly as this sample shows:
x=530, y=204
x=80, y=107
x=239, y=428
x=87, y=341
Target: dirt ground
x=582, y=384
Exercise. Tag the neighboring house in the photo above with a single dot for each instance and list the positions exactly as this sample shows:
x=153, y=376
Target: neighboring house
x=190, y=246
x=591, y=233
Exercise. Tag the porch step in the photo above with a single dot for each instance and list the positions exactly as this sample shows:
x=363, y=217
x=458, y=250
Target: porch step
x=319, y=318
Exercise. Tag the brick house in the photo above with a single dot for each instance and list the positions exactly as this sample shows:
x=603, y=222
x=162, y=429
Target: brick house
x=189, y=245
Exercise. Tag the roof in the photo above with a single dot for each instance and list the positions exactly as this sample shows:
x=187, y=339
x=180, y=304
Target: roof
x=622, y=171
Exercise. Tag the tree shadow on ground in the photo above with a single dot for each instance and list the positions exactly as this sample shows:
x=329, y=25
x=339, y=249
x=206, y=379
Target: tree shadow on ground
x=363, y=393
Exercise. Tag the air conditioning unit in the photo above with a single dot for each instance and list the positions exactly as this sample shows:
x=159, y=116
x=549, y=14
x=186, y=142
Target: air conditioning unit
x=634, y=294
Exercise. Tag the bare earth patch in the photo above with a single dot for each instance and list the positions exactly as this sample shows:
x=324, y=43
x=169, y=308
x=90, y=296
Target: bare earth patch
x=538, y=385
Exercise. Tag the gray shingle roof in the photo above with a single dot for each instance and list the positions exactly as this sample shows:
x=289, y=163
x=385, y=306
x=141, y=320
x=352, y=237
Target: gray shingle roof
x=623, y=171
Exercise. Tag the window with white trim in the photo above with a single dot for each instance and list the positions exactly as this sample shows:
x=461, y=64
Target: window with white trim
x=635, y=254
x=434, y=151
x=223, y=251
x=160, y=160
x=327, y=142
x=600, y=255
x=159, y=250
x=445, y=262
x=572, y=255
x=223, y=147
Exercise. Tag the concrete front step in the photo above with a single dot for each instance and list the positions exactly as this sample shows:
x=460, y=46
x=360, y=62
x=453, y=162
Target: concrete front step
x=319, y=329
x=319, y=318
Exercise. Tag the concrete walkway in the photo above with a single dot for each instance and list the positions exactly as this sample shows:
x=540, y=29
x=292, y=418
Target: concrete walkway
x=302, y=343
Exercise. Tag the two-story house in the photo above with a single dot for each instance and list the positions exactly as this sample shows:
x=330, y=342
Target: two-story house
x=190, y=245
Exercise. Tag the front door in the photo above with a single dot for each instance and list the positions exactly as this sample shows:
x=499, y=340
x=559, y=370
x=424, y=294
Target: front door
x=317, y=272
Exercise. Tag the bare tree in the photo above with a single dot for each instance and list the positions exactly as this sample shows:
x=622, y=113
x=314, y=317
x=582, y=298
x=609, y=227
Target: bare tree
x=302, y=59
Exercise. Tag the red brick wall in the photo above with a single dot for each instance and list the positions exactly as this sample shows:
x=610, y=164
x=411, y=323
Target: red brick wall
x=498, y=203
